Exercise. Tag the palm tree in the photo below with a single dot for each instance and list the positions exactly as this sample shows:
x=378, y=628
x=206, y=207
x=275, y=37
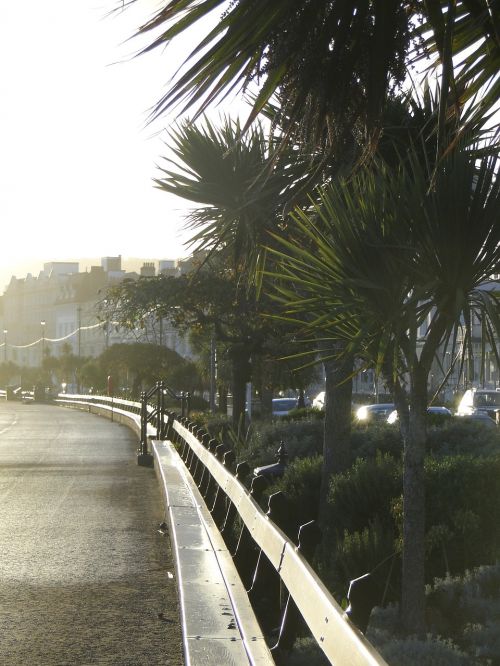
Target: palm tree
x=239, y=187
x=395, y=270
x=331, y=64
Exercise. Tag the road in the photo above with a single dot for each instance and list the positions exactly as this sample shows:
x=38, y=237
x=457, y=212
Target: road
x=84, y=572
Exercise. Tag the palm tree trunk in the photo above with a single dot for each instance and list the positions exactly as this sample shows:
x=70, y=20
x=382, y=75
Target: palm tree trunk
x=413, y=574
x=240, y=361
x=337, y=428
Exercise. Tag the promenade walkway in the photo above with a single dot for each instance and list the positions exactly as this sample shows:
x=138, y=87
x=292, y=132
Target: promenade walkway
x=83, y=569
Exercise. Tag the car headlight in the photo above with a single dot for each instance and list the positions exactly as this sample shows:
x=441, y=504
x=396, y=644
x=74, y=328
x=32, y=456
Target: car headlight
x=362, y=414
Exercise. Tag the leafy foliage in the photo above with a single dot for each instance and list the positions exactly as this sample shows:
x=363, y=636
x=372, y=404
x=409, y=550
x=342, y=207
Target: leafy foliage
x=146, y=364
x=331, y=64
x=463, y=622
x=300, y=483
x=239, y=187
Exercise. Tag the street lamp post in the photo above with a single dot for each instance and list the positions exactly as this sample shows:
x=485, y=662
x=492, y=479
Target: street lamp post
x=79, y=320
x=42, y=324
x=77, y=373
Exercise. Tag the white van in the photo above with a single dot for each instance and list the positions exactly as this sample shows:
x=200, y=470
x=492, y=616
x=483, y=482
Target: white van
x=480, y=401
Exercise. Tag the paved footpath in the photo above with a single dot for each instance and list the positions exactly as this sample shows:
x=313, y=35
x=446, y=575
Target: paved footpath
x=84, y=572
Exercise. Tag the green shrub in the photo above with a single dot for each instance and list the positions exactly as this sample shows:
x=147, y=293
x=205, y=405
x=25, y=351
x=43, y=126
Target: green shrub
x=306, y=651
x=467, y=609
x=368, y=439
x=371, y=550
x=198, y=403
x=434, y=651
x=462, y=509
x=301, y=439
x=360, y=533
x=304, y=414
x=301, y=485
x=458, y=437
x=364, y=492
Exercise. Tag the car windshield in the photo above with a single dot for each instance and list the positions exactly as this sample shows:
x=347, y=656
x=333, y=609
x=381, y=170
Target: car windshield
x=491, y=399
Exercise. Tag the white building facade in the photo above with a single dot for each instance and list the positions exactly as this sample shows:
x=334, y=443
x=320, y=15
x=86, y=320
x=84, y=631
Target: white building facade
x=59, y=307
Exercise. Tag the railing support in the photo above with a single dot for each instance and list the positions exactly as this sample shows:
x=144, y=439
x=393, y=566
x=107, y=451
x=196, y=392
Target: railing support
x=144, y=458
x=160, y=410
x=308, y=538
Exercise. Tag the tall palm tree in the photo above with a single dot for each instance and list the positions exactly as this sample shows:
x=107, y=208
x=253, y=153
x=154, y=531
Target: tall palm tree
x=238, y=187
x=380, y=258
x=332, y=63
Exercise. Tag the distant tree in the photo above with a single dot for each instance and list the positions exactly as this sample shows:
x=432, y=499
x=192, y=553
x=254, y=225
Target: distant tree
x=93, y=375
x=8, y=371
x=144, y=364
x=68, y=365
x=212, y=300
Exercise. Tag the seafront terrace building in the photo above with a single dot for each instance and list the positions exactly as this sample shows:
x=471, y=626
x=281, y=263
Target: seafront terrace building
x=59, y=306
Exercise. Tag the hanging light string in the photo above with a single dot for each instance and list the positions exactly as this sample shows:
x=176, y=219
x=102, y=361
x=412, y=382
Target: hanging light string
x=65, y=337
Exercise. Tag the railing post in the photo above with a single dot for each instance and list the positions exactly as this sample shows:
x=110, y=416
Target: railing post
x=219, y=508
x=227, y=530
x=246, y=553
x=159, y=409
x=206, y=477
x=265, y=589
x=144, y=458
x=363, y=595
x=162, y=411
x=308, y=539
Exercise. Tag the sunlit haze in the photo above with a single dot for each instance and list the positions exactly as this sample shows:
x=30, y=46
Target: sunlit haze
x=77, y=158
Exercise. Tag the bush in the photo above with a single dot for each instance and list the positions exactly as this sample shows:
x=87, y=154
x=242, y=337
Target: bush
x=462, y=509
x=361, y=532
x=364, y=516
x=461, y=437
x=306, y=651
x=397, y=650
x=434, y=651
x=368, y=439
x=371, y=550
x=467, y=609
x=463, y=619
x=301, y=484
x=197, y=402
x=364, y=492
x=304, y=414
x=301, y=439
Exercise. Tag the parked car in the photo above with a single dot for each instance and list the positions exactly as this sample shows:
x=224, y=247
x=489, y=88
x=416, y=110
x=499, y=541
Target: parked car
x=483, y=419
x=376, y=412
x=434, y=409
x=283, y=406
x=480, y=401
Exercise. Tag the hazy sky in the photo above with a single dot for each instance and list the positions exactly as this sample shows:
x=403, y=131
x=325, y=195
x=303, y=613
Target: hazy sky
x=76, y=160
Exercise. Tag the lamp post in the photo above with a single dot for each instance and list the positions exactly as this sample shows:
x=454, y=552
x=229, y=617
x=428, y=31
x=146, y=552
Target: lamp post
x=106, y=324
x=42, y=324
x=79, y=323
x=77, y=371
x=5, y=345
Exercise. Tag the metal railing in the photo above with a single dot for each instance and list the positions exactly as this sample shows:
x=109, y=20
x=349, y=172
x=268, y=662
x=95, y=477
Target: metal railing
x=155, y=414
x=270, y=554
